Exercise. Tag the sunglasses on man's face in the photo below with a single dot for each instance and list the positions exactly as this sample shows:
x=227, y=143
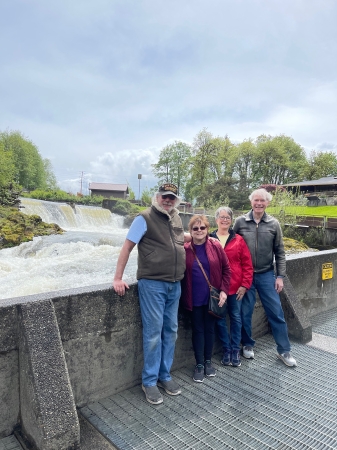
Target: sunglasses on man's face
x=169, y=196
x=199, y=228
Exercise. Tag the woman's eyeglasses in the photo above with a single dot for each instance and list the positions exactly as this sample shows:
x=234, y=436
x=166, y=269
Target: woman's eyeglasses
x=169, y=196
x=199, y=228
x=224, y=218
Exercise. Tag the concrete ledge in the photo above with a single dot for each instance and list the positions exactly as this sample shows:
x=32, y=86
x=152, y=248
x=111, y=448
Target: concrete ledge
x=299, y=327
x=305, y=275
x=71, y=347
x=48, y=413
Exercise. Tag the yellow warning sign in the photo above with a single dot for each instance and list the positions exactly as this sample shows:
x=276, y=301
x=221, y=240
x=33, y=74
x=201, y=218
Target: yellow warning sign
x=327, y=271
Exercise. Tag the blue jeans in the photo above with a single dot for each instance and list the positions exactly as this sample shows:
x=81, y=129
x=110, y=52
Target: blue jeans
x=264, y=284
x=231, y=342
x=159, y=301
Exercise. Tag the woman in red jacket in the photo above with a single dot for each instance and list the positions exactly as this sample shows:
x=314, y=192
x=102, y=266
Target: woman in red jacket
x=241, y=279
x=195, y=291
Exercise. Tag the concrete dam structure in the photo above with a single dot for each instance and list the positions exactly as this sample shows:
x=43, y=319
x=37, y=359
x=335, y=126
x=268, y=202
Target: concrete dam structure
x=63, y=349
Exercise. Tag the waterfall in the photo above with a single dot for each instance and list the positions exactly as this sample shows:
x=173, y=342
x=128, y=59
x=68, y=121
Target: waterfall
x=72, y=218
x=86, y=254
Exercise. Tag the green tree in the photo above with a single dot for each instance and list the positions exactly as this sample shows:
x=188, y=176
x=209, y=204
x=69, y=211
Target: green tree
x=172, y=166
x=7, y=168
x=132, y=195
x=209, y=163
x=50, y=179
x=9, y=191
x=277, y=160
x=147, y=195
x=206, y=164
x=30, y=170
x=241, y=158
x=321, y=164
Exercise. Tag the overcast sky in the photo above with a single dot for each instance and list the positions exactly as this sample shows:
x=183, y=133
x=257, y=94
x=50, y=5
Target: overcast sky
x=101, y=86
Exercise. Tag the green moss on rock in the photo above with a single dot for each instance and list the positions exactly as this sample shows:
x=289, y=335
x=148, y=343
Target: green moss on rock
x=293, y=246
x=16, y=227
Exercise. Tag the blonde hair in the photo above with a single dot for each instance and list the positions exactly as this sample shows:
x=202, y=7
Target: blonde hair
x=197, y=218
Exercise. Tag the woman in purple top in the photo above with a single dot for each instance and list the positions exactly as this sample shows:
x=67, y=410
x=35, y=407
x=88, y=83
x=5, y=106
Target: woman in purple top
x=195, y=291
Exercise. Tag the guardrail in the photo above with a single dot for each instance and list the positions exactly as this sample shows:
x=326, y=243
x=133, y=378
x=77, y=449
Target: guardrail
x=317, y=221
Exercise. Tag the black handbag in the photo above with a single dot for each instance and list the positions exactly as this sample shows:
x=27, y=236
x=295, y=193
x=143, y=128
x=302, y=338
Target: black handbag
x=213, y=304
x=214, y=295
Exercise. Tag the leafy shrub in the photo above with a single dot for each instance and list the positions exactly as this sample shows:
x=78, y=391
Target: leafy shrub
x=124, y=208
x=62, y=196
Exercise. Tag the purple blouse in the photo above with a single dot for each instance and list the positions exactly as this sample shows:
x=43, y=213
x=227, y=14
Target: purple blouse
x=200, y=289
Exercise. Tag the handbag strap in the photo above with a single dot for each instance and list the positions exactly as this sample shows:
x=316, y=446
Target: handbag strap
x=202, y=269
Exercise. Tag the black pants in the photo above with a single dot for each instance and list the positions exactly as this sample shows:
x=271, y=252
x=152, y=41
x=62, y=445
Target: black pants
x=202, y=333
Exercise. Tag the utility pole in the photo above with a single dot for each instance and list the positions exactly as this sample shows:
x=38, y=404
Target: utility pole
x=139, y=178
x=81, y=175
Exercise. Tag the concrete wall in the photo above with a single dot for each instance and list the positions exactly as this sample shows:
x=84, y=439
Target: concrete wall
x=61, y=350
x=186, y=217
x=305, y=274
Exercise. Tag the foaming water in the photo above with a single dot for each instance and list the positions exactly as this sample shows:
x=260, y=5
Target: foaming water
x=85, y=255
x=77, y=218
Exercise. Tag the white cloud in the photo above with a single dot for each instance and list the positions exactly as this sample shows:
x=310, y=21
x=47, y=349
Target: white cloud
x=124, y=167
x=101, y=87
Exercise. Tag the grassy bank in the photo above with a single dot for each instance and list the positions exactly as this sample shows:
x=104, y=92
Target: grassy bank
x=326, y=211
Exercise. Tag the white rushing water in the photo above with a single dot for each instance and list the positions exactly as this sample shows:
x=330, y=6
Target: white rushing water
x=86, y=254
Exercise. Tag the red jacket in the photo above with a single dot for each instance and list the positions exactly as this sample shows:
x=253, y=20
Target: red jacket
x=219, y=270
x=240, y=261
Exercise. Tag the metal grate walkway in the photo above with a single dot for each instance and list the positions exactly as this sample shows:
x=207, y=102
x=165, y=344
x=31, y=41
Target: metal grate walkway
x=261, y=405
x=9, y=443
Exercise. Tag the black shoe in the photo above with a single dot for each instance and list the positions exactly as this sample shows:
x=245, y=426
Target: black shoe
x=236, y=360
x=226, y=359
x=198, y=375
x=209, y=369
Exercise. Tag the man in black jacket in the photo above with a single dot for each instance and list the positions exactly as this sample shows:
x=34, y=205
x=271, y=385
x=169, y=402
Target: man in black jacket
x=263, y=236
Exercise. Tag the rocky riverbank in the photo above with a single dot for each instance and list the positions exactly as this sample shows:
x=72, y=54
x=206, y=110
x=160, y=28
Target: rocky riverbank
x=16, y=227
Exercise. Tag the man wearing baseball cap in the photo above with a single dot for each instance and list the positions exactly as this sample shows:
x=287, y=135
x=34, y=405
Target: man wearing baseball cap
x=160, y=237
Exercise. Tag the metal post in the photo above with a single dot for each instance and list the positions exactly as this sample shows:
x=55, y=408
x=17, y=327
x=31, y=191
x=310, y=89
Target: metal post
x=139, y=178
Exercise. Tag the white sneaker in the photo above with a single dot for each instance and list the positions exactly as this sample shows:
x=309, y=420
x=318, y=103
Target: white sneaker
x=287, y=359
x=248, y=352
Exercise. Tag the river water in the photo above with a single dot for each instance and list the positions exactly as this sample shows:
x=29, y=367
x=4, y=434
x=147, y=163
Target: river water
x=86, y=254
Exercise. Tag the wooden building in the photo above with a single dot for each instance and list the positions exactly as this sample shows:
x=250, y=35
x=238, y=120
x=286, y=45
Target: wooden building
x=109, y=190
x=324, y=186
x=318, y=192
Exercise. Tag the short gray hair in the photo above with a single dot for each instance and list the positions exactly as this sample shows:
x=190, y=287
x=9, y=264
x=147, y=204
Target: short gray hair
x=223, y=208
x=263, y=193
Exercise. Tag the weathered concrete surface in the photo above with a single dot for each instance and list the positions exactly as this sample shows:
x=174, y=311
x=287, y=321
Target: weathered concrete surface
x=91, y=439
x=9, y=392
x=79, y=345
x=299, y=326
x=186, y=217
x=305, y=274
x=9, y=370
x=102, y=340
x=47, y=409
